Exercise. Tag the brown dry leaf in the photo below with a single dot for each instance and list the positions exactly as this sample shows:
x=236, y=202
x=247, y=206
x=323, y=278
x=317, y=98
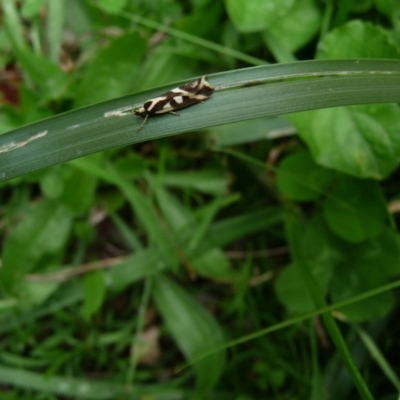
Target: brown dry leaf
x=147, y=350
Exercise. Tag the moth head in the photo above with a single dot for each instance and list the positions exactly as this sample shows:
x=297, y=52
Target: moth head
x=139, y=111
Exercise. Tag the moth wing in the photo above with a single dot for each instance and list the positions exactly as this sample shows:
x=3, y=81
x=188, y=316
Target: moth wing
x=165, y=108
x=191, y=87
x=201, y=87
x=176, y=102
x=190, y=100
x=153, y=105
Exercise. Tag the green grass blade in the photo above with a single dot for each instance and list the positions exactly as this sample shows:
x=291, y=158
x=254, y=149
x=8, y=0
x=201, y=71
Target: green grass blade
x=84, y=388
x=55, y=29
x=240, y=95
x=378, y=356
x=193, y=328
x=294, y=234
x=12, y=25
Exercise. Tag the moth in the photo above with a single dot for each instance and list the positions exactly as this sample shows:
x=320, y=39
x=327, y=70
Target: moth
x=181, y=97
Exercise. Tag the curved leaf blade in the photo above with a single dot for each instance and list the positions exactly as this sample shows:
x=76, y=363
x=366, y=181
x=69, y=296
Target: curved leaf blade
x=240, y=95
x=193, y=328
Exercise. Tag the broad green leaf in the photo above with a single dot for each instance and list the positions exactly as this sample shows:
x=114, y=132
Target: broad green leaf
x=256, y=15
x=193, y=328
x=294, y=228
x=105, y=78
x=94, y=293
x=9, y=118
x=291, y=291
x=213, y=264
x=298, y=26
x=321, y=247
x=35, y=292
x=79, y=191
x=342, y=270
x=52, y=182
x=29, y=111
x=382, y=253
x=356, y=210
x=194, y=22
x=385, y=252
x=358, y=275
x=357, y=39
x=31, y=8
x=74, y=188
x=363, y=140
x=41, y=233
x=131, y=164
x=323, y=253
x=389, y=7
x=372, y=131
x=112, y=6
x=300, y=178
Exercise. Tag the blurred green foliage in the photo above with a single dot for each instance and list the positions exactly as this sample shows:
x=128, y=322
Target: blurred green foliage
x=122, y=266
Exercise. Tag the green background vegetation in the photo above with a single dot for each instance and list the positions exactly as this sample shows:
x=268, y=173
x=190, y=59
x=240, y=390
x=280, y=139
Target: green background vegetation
x=257, y=256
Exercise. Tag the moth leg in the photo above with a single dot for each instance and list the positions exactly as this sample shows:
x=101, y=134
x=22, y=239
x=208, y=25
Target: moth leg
x=141, y=126
x=173, y=112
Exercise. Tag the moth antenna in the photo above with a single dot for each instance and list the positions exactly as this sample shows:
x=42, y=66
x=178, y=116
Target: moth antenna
x=141, y=126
